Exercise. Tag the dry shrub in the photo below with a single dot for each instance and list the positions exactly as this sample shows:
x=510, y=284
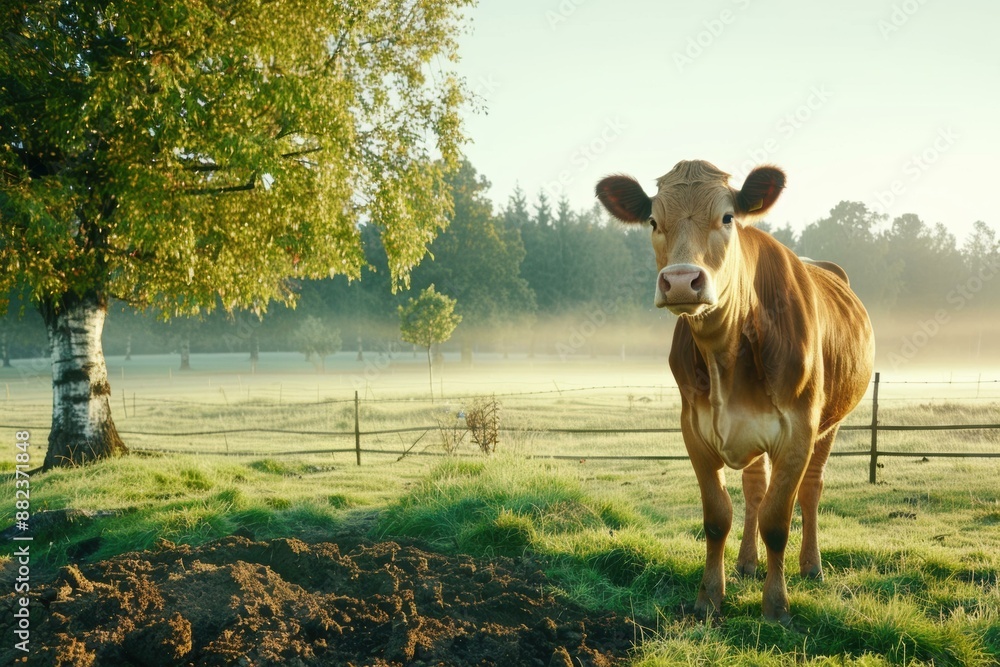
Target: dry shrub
x=483, y=421
x=451, y=435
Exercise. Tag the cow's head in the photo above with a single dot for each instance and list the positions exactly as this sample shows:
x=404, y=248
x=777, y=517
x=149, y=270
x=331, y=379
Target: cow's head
x=696, y=219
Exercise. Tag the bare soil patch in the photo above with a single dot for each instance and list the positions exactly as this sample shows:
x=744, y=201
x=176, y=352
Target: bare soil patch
x=242, y=602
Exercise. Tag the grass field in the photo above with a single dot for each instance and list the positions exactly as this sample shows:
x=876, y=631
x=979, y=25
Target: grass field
x=912, y=564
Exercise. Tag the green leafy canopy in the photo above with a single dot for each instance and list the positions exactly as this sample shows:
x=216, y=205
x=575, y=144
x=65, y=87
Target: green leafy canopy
x=174, y=153
x=428, y=319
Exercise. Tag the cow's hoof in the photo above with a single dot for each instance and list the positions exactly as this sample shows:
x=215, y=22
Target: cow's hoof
x=746, y=570
x=705, y=612
x=705, y=608
x=776, y=609
x=815, y=573
x=778, y=614
x=784, y=619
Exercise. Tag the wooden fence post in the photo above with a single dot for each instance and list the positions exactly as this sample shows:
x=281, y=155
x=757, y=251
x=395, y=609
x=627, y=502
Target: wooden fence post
x=357, y=428
x=873, y=465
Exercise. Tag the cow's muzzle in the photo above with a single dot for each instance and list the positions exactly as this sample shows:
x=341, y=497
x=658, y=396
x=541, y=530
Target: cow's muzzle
x=684, y=289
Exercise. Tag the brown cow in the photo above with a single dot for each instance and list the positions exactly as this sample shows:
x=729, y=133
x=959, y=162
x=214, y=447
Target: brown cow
x=770, y=353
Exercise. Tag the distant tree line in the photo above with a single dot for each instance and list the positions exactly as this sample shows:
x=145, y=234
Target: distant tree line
x=539, y=277
x=904, y=265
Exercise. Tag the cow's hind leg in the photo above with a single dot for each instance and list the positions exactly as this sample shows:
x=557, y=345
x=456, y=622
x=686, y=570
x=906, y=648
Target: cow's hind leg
x=755, y=478
x=718, y=514
x=809, y=493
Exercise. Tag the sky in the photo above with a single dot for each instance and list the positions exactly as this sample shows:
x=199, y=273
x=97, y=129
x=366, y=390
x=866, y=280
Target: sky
x=889, y=102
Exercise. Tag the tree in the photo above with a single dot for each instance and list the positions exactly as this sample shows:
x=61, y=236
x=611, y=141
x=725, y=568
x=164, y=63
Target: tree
x=477, y=261
x=541, y=245
x=850, y=237
x=172, y=154
x=981, y=249
x=317, y=341
x=930, y=261
x=427, y=320
x=981, y=254
x=21, y=332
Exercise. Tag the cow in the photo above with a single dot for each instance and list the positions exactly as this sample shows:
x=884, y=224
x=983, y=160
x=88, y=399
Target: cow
x=770, y=353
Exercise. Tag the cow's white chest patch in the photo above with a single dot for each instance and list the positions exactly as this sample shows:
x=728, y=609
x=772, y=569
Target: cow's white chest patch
x=739, y=435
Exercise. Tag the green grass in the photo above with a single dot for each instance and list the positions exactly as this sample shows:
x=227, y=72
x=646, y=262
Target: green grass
x=912, y=564
x=886, y=605
x=191, y=500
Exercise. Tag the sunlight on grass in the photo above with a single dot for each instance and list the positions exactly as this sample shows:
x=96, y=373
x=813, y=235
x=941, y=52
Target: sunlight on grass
x=192, y=500
x=912, y=564
x=879, y=606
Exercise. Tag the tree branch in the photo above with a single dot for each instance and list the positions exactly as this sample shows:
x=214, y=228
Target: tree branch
x=246, y=187
x=302, y=152
x=204, y=167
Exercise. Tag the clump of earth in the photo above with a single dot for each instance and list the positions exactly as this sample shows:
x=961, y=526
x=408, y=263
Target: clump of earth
x=237, y=601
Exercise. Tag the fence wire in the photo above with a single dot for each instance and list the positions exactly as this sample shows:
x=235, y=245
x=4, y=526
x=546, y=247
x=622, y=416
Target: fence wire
x=371, y=423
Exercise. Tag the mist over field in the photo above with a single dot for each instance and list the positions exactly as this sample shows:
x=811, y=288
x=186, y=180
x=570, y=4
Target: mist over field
x=532, y=277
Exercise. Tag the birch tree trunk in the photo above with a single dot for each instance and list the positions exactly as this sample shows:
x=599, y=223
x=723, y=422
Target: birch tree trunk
x=82, y=428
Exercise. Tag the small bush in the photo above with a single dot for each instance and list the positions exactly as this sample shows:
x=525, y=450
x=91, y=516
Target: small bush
x=451, y=434
x=483, y=422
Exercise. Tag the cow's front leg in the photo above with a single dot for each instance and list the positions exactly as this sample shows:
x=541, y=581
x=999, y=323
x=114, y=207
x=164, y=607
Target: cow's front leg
x=775, y=518
x=718, y=514
x=755, y=478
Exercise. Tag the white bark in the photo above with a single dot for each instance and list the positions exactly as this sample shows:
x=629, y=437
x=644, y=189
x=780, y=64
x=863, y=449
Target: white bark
x=82, y=428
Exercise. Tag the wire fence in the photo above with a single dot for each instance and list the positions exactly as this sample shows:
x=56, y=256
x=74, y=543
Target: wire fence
x=607, y=422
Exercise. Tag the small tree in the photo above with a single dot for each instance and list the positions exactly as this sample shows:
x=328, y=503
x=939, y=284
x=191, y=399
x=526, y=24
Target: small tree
x=426, y=320
x=317, y=341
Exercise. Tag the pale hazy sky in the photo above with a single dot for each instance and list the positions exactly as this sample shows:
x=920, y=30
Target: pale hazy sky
x=852, y=98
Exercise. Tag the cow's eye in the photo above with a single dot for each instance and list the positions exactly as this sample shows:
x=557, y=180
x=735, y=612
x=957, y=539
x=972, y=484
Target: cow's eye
x=652, y=223
x=727, y=218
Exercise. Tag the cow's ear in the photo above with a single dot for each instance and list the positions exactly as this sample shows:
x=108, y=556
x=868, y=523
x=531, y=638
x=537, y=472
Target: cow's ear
x=760, y=190
x=624, y=198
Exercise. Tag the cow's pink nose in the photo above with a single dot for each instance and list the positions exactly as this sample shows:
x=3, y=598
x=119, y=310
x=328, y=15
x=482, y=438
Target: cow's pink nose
x=682, y=281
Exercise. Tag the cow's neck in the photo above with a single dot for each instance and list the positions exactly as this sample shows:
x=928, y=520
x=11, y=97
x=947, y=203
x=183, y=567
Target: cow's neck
x=718, y=336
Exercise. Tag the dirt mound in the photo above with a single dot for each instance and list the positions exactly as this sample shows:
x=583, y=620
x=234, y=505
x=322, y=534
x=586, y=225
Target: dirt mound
x=238, y=602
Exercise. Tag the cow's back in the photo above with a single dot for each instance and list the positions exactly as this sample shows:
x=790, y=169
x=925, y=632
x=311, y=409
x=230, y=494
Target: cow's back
x=848, y=344
x=807, y=342
x=829, y=335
